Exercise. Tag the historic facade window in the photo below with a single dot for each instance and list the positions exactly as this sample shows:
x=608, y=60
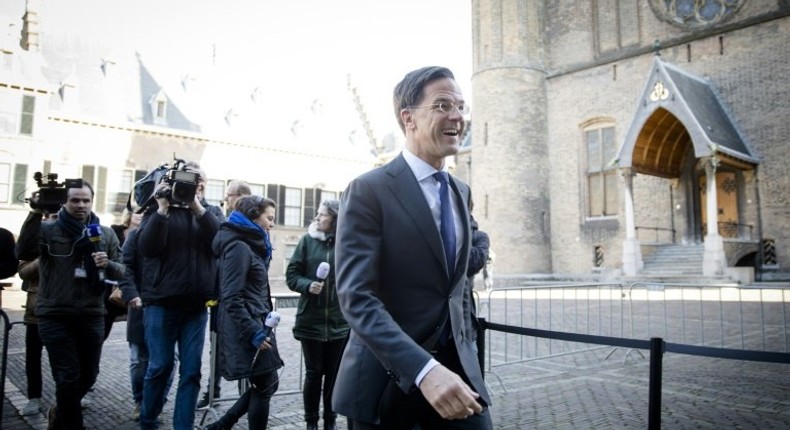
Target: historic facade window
x=258, y=189
x=602, y=197
x=691, y=14
x=16, y=115
x=214, y=192
x=26, y=117
x=292, y=207
x=97, y=176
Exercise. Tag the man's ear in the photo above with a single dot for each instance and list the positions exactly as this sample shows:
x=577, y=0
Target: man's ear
x=407, y=118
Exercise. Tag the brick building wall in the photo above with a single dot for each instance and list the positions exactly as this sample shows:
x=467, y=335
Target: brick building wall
x=558, y=68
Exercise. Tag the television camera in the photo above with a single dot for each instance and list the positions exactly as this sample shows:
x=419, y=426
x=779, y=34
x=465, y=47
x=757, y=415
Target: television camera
x=51, y=194
x=182, y=183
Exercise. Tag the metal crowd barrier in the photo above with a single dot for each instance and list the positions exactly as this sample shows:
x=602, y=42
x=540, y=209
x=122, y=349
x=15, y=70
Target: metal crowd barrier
x=710, y=315
x=288, y=374
x=743, y=324
x=7, y=326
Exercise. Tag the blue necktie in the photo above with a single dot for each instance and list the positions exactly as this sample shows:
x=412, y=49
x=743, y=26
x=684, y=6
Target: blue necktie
x=447, y=225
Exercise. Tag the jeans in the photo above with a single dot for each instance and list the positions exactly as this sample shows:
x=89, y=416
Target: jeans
x=33, y=349
x=320, y=361
x=164, y=329
x=138, y=365
x=74, y=345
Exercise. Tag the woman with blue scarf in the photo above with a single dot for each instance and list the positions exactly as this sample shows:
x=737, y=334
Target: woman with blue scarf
x=245, y=251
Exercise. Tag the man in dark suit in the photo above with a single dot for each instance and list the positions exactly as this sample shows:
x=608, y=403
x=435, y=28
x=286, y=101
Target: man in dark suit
x=402, y=253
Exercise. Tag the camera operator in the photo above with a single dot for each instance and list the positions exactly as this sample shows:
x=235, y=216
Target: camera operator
x=70, y=307
x=27, y=250
x=179, y=272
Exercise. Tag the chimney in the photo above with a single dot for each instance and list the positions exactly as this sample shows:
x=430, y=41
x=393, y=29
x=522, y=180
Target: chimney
x=29, y=40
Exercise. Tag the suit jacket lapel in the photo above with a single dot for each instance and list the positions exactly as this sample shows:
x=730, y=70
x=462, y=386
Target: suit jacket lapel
x=464, y=235
x=408, y=192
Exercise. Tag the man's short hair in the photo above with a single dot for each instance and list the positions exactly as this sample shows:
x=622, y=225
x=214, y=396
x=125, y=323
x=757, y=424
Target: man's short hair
x=85, y=184
x=194, y=166
x=241, y=187
x=408, y=92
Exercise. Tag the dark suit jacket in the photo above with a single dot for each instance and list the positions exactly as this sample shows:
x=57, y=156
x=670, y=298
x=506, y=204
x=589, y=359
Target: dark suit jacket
x=394, y=289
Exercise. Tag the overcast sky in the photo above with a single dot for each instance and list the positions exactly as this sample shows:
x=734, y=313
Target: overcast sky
x=294, y=44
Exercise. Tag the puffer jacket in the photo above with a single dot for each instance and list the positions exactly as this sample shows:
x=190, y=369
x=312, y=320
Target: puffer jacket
x=60, y=292
x=245, y=301
x=178, y=268
x=318, y=316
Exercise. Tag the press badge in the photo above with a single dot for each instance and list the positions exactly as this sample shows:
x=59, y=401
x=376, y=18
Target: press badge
x=80, y=273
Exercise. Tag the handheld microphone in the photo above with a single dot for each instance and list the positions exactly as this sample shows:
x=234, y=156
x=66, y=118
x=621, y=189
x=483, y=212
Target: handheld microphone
x=272, y=320
x=323, y=271
x=94, y=234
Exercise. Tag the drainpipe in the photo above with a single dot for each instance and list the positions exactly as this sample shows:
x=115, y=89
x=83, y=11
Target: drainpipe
x=760, y=255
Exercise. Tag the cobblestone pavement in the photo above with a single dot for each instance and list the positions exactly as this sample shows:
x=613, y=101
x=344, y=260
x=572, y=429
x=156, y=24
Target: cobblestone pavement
x=600, y=388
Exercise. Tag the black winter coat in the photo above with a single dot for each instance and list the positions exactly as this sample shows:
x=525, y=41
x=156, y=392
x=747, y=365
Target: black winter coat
x=179, y=268
x=245, y=301
x=60, y=291
x=129, y=284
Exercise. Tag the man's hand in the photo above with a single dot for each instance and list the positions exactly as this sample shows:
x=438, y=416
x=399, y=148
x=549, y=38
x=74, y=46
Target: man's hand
x=100, y=259
x=161, y=199
x=135, y=303
x=448, y=394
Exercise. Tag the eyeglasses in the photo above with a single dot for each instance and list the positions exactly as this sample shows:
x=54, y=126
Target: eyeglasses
x=227, y=196
x=446, y=106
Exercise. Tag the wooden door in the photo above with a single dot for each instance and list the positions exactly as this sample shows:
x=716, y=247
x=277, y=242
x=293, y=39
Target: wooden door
x=727, y=204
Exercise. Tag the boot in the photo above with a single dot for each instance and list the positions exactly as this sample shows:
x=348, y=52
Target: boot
x=330, y=425
x=312, y=426
x=204, y=400
x=220, y=424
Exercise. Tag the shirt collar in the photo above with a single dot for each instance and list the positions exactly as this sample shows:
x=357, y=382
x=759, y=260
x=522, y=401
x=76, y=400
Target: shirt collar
x=419, y=167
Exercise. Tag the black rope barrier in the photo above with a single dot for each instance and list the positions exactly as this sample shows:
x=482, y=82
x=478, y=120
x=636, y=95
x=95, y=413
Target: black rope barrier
x=656, y=345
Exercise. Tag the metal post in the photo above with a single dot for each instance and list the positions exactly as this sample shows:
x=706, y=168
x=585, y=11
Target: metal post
x=4, y=360
x=481, y=344
x=654, y=401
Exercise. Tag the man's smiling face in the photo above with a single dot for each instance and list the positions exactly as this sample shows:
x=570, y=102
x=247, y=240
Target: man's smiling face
x=432, y=134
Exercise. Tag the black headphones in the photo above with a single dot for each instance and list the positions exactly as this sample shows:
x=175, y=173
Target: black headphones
x=254, y=211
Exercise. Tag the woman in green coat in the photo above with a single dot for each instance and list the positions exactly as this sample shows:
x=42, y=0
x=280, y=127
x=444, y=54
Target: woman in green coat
x=319, y=325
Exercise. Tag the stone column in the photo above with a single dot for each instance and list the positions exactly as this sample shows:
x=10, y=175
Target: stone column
x=509, y=133
x=632, y=253
x=714, y=261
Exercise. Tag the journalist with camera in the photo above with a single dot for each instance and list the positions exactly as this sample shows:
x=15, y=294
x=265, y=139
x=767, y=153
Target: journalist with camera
x=178, y=277
x=181, y=185
x=77, y=258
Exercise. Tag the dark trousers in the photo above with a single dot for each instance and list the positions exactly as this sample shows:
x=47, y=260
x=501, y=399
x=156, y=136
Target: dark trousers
x=320, y=361
x=33, y=349
x=74, y=345
x=254, y=402
x=405, y=411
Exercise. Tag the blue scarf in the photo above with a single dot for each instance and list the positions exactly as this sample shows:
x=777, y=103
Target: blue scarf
x=237, y=218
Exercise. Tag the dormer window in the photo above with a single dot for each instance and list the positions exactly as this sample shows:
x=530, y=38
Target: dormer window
x=230, y=117
x=159, y=108
x=106, y=67
x=67, y=93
